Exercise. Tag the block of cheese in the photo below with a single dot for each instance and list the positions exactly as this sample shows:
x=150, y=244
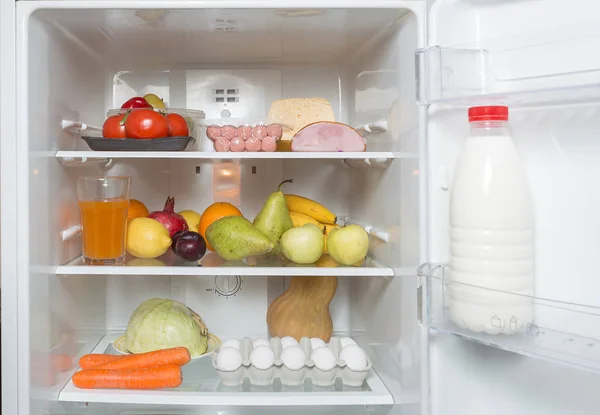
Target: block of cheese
x=297, y=113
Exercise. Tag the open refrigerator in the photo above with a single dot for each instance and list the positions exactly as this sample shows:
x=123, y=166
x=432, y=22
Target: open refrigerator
x=401, y=72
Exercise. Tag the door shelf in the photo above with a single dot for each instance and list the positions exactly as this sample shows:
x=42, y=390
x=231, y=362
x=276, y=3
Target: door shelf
x=467, y=77
x=207, y=267
x=561, y=332
x=201, y=386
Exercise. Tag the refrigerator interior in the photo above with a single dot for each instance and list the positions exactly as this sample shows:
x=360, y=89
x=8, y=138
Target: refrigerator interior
x=76, y=63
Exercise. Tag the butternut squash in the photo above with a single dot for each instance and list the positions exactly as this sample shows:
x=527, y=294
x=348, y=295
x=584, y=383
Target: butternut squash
x=303, y=309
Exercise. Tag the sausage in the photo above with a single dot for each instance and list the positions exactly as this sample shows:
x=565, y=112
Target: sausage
x=275, y=130
x=253, y=144
x=237, y=145
x=328, y=136
x=244, y=131
x=228, y=132
x=213, y=132
x=221, y=145
x=269, y=144
x=259, y=131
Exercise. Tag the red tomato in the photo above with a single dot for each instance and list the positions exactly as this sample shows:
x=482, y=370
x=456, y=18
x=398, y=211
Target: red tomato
x=146, y=124
x=179, y=126
x=114, y=127
x=136, y=102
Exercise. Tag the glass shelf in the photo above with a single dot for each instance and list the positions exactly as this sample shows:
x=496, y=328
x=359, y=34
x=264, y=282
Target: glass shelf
x=467, y=77
x=211, y=265
x=562, y=332
x=201, y=386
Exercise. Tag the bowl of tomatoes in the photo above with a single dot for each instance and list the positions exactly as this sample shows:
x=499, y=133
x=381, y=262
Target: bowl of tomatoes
x=146, y=129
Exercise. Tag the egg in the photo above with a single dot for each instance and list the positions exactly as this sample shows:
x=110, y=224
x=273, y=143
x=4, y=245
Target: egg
x=229, y=359
x=293, y=357
x=288, y=341
x=354, y=356
x=231, y=343
x=316, y=342
x=345, y=341
x=324, y=358
x=261, y=342
x=262, y=357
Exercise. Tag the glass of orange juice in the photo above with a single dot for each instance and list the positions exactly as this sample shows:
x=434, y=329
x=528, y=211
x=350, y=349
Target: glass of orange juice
x=103, y=202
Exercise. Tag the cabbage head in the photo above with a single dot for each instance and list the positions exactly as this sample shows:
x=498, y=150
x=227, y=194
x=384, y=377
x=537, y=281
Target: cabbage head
x=160, y=323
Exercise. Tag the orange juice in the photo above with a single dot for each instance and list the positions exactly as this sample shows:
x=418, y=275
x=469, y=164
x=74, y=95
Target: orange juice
x=104, y=223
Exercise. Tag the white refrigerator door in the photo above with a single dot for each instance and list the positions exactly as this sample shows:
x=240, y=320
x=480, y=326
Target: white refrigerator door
x=8, y=208
x=539, y=58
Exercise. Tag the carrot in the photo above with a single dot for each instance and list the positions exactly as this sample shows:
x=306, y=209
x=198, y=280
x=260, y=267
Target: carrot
x=175, y=356
x=90, y=361
x=168, y=376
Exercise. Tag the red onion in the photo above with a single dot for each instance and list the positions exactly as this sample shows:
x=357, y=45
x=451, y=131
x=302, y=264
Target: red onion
x=174, y=222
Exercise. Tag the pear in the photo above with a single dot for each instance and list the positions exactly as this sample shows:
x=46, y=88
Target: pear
x=234, y=238
x=348, y=245
x=155, y=101
x=274, y=218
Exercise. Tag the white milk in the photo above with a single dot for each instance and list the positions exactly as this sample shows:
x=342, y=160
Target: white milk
x=491, y=234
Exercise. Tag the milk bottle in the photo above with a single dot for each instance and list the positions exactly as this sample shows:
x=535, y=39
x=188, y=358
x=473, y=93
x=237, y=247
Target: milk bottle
x=491, y=230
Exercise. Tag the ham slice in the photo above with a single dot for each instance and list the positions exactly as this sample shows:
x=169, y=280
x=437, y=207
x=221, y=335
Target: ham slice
x=328, y=136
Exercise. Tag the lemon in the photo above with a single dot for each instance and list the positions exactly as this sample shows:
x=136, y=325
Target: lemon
x=147, y=238
x=192, y=219
x=155, y=101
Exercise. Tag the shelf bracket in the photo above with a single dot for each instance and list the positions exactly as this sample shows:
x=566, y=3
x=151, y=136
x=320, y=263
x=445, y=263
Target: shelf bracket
x=80, y=161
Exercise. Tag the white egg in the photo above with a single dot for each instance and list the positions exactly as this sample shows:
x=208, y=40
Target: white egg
x=229, y=359
x=262, y=357
x=293, y=357
x=261, y=342
x=316, y=342
x=354, y=356
x=324, y=358
x=288, y=341
x=231, y=343
x=345, y=341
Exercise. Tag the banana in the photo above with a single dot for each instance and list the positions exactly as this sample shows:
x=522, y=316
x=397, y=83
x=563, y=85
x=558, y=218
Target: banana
x=300, y=219
x=317, y=211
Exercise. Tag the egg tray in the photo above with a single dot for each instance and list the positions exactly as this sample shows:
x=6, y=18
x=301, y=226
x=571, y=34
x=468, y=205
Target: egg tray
x=287, y=376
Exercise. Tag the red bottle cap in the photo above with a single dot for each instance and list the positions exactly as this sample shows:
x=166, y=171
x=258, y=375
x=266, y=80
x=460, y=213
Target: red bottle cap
x=488, y=113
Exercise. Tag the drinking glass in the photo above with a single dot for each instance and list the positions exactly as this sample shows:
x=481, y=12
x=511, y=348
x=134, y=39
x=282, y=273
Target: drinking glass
x=103, y=202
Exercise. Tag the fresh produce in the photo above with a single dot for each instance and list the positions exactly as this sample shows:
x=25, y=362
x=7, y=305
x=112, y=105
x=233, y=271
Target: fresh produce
x=235, y=238
x=328, y=229
x=303, y=309
x=145, y=262
x=274, y=218
x=348, y=245
x=160, y=323
x=155, y=101
x=114, y=127
x=328, y=136
x=310, y=208
x=189, y=245
x=146, y=124
x=147, y=238
x=192, y=219
x=179, y=126
x=136, y=210
x=174, y=222
x=300, y=219
x=303, y=245
x=90, y=361
x=136, y=102
x=159, y=377
x=212, y=213
x=175, y=356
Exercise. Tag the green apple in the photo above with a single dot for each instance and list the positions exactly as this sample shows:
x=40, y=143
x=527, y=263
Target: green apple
x=348, y=245
x=304, y=244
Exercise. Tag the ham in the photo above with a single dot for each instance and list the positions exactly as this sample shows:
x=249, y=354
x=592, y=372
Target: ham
x=328, y=136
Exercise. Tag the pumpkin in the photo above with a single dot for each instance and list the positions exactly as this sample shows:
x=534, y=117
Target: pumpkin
x=303, y=309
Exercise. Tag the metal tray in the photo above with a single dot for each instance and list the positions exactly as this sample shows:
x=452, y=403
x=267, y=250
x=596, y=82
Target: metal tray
x=129, y=144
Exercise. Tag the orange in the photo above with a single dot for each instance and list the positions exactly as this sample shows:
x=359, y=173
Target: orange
x=136, y=210
x=214, y=212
